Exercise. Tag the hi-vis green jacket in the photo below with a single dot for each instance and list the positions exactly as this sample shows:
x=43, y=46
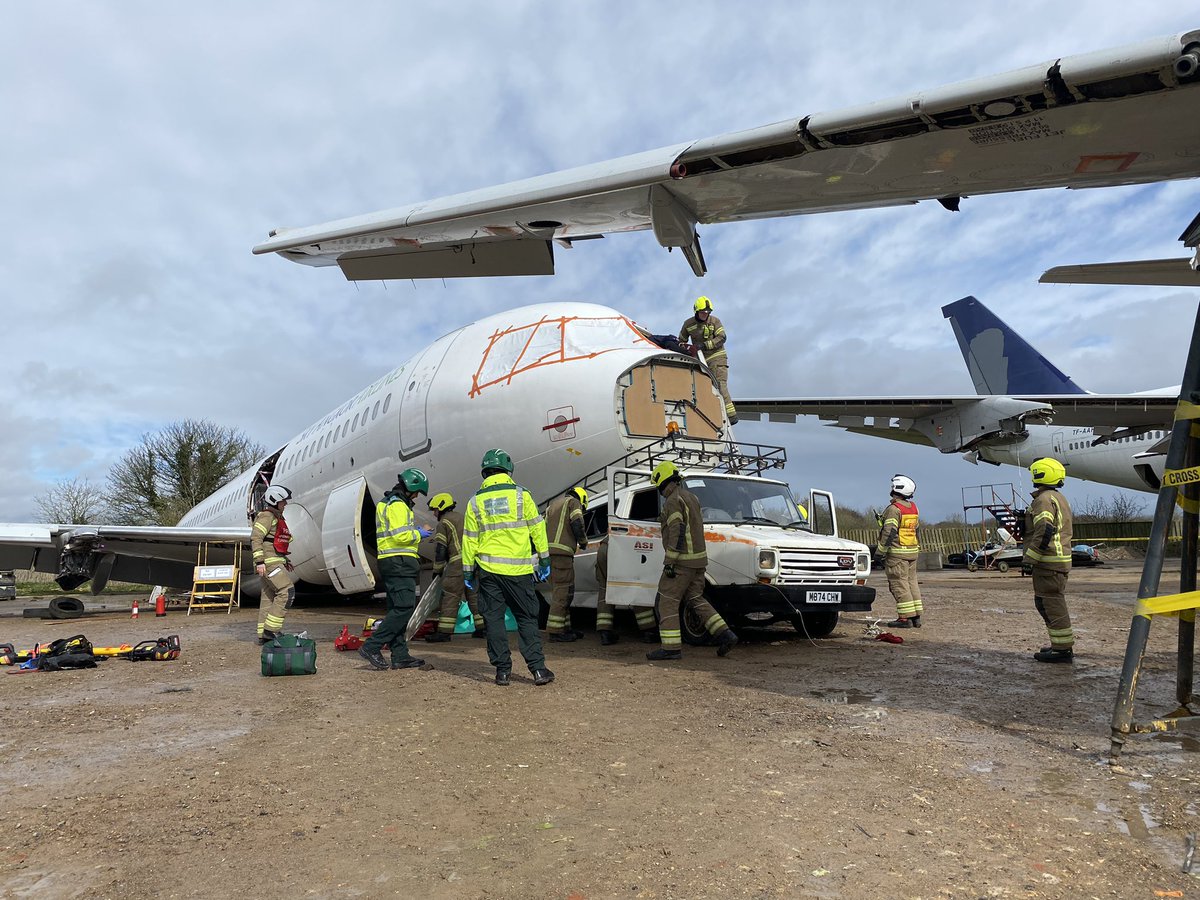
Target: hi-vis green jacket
x=503, y=532
x=682, y=529
x=396, y=533
x=1048, y=531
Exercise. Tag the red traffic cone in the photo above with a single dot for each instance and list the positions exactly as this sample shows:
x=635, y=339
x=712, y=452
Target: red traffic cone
x=134, y=615
x=160, y=605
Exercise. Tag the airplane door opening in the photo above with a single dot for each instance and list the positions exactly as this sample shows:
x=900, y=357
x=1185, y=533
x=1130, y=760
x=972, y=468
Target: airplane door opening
x=659, y=392
x=414, y=425
x=262, y=480
x=1058, y=444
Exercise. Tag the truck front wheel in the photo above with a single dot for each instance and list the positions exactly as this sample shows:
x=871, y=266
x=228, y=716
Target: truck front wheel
x=816, y=623
x=691, y=627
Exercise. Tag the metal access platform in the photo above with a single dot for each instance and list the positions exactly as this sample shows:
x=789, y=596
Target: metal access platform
x=707, y=454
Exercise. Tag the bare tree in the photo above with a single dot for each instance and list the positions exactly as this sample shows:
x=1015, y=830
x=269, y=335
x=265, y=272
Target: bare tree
x=73, y=501
x=168, y=473
x=1117, y=509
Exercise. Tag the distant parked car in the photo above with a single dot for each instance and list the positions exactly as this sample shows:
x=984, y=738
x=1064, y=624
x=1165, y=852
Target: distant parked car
x=1085, y=555
x=990, y=556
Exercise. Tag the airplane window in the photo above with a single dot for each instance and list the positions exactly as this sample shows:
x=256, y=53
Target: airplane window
x=375, y=411
x=354, y=424
x=387, y=401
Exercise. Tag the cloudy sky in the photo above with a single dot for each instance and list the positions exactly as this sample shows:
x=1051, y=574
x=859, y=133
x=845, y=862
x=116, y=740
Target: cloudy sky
x=148, y=146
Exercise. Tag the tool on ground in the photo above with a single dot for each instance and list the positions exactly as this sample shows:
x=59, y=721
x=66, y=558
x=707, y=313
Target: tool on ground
x=162, y=648
x=346, y=640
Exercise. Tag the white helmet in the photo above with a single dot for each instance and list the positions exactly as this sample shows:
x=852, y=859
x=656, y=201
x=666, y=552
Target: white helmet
x=904, y=486
x=276, y=494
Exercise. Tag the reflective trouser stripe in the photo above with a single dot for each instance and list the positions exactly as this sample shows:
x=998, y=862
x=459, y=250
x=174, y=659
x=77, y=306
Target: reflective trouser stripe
x=685, y=590
x=562, y=578
x=604, y=620
x=1049, y=598
x=645, y=618
x=605, y=617
x=902, y=582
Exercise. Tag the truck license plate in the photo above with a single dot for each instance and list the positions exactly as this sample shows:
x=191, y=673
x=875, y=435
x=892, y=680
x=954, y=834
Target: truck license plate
x=822, y=597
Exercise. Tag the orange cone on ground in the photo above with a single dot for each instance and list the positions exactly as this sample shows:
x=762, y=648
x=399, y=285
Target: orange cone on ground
x=135, y=609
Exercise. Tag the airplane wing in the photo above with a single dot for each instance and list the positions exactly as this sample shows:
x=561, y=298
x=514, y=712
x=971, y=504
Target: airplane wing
x=137, y=554
x=1119, y=116
x=1165, y=272
x=955, y=423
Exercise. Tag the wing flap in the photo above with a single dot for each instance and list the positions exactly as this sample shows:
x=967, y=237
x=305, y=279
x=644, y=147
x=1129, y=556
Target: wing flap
x=1164, y=272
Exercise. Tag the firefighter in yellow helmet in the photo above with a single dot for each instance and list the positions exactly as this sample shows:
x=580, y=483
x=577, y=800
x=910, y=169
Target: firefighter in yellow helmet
x=397, y=540
x=705, y=332
x=1048, y=553
x=681, y=587
x=269, y=541
x=447, y=562
x=504, y=547
x=898, y=550
x=566, y=536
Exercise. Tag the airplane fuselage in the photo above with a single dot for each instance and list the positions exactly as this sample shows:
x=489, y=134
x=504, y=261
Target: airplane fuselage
x=1115, y=462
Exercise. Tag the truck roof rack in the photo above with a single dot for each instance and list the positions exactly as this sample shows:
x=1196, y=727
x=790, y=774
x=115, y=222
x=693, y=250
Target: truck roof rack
x=709, y=454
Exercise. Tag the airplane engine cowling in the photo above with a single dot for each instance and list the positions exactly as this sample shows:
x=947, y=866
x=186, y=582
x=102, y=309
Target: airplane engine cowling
x=982, y=421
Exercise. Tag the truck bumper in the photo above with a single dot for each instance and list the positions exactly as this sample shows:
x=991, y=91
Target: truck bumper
x=784, y=600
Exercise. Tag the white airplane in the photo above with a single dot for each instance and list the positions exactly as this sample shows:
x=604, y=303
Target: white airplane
x=1117, y=439
x=565, y=388
x=1112, y=117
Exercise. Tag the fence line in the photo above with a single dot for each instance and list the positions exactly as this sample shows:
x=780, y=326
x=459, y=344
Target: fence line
x=953, y=538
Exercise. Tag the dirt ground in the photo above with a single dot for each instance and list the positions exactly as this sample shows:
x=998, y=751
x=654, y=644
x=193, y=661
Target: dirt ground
x=951, y=765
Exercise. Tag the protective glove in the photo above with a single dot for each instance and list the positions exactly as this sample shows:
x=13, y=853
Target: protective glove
x=469, y=579
x=425, y=532
x=878, y=560
x=543, y=570
x=669, y=570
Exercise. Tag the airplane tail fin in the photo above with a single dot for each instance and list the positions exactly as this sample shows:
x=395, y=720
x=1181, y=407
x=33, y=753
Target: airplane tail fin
x=1000, y=360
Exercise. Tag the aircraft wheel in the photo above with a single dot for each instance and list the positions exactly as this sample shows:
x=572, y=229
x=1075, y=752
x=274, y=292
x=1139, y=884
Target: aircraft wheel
x=66, y=608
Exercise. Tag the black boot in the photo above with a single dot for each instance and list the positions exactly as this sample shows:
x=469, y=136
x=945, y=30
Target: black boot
x=663, y=653
x=1055, y=655
x=564, y=637
x=915, y=620
x=649, y=636
x=542, y=676
x=411, y=663
x=437, y=637
x=726, y=641
x=375, y=659
x=608, y=638
x=900, y=623
x=266, y=637
x=502, y=678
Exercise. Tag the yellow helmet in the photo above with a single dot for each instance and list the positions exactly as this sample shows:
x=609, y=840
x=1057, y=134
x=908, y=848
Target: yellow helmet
x=702, y=304
x=441, y=502
x=582, y=495
x=663, y=473
x=1048, y=471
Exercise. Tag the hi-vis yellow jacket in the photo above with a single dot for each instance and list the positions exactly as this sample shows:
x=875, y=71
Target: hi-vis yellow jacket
x=503, y=532
x=898, y=536
x=396, y=533
x=1048, y=531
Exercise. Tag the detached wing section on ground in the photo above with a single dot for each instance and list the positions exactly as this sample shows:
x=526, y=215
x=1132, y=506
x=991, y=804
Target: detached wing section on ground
x=151, y=555
x=965, y=422
x=1119, y=116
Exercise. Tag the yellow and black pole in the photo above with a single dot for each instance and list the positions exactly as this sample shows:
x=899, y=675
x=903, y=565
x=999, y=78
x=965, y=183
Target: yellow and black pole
x=1181, y=484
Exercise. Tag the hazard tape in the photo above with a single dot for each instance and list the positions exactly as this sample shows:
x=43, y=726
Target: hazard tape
x=1176, y=477
x=1185, y=409
x=1168, y=604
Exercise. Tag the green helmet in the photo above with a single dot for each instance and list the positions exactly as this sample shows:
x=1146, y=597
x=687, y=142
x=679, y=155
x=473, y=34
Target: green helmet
x=414, y=481
x=497, y=459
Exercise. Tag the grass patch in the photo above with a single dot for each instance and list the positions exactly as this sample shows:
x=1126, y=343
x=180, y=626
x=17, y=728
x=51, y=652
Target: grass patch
x=50, y=589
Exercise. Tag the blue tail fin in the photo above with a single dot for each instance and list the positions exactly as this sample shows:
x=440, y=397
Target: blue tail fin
x=1000, y=360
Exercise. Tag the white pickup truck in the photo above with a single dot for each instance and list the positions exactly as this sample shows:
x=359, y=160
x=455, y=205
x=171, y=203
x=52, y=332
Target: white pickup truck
x=767, y=561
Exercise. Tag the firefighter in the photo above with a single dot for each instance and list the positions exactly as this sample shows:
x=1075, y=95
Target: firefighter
x=566, y=535
x=397, y=539
x=502, y=532
x=681, y=587
x=604, y=611
x=1048, y=554
x=898, y=549
x=705, y=332
x=269, y=539
x=447, y=563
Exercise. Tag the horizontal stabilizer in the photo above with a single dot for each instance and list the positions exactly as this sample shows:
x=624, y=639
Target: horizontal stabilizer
x=1166, y=272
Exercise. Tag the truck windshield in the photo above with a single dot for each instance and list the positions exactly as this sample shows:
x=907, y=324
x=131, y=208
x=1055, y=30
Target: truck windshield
x=724, y=500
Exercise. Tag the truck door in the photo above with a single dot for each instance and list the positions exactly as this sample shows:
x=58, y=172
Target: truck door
x=341, y=539
x=822, y=516
x=635, y=561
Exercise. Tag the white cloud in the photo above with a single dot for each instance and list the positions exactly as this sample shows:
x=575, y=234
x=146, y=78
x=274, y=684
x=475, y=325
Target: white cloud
x=149, y=145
